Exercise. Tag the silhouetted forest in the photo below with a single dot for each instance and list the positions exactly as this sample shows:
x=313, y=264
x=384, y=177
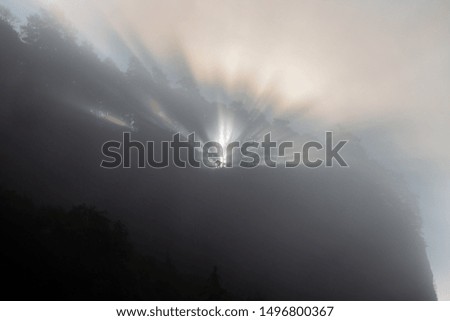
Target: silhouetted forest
x=293, y=234
x=53, y=254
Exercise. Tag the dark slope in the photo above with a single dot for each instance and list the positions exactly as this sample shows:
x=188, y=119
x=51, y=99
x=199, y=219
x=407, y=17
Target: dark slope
x=332, y=234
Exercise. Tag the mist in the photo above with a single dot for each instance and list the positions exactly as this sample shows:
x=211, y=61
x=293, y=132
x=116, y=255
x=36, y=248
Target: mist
x=374, y=74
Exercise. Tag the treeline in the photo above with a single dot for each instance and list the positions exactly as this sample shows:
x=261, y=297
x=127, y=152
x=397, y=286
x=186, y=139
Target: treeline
x=49, y=253
x=293, y=235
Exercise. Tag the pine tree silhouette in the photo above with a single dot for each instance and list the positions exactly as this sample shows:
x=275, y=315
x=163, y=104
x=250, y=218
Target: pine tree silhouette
x=213, y=290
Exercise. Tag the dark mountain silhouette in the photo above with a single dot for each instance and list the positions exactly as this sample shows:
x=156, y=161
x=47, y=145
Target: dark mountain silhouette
x=323, y=234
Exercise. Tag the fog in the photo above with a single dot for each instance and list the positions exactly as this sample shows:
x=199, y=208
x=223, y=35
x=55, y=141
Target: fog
x=375, y=74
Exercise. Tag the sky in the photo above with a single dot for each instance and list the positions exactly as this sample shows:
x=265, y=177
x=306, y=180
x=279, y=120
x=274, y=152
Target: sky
x=379, y=69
